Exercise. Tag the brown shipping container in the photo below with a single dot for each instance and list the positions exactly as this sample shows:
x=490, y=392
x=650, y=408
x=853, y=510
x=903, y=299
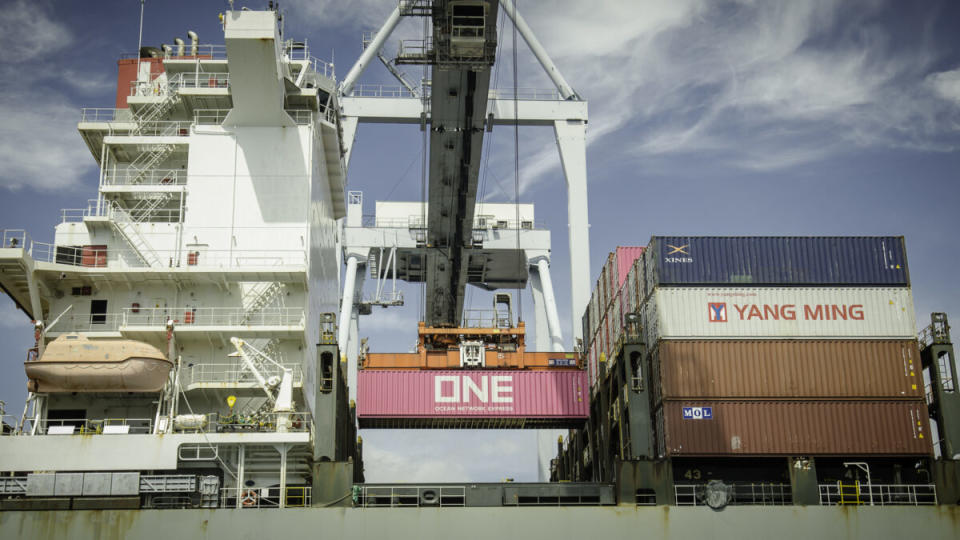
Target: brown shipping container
x=793, y=428
x=856, y=369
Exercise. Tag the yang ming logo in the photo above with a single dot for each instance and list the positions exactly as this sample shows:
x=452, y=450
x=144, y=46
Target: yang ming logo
x=672, y=255
x=718, y=311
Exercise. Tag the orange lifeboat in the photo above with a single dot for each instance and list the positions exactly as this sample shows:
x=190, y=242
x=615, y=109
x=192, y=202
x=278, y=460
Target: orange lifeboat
x=73, y=363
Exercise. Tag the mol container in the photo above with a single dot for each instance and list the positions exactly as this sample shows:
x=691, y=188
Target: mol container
x=471, y=398
x=776, y=260
x=778, y=312
x=793, y=428
x=786, y=369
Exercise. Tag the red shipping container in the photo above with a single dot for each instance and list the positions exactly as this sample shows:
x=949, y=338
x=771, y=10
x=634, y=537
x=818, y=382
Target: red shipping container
x=415, y=398
x=793, y=428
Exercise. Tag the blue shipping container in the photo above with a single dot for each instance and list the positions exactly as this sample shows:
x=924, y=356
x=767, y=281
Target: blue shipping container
x=776, y=260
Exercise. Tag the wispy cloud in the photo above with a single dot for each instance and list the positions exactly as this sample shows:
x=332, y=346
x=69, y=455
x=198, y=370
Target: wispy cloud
x=751, y=85
x=39, y=146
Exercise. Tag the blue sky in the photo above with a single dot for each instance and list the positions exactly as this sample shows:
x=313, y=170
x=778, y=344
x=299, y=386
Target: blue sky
x=706, y=117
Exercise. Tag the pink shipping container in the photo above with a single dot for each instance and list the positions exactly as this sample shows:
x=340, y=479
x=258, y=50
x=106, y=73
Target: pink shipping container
x=626, y=256
x=471, y=399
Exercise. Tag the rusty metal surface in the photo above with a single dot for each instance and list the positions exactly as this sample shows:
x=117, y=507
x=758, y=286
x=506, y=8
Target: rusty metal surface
x=540, y=523
x=848, y=428
x=450, y=359
x=786, y=369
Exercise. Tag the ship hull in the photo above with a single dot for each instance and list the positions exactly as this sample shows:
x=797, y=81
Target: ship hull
x=792, y=522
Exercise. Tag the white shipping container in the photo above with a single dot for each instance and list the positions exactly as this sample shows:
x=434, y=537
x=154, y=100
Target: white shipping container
x=779, y=312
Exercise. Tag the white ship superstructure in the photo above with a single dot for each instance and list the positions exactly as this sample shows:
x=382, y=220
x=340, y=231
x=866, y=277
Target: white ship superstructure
x=212, y=240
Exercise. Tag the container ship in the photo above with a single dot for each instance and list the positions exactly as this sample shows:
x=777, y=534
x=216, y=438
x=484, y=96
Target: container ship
x=198, y=369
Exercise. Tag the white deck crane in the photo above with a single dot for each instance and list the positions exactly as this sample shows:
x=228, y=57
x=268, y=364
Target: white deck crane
x=279, y=389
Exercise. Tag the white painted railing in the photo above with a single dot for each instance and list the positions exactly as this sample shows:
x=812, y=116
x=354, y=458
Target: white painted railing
x=111, y=257
x=232, y=374
x=186, y=317
x=153, y=177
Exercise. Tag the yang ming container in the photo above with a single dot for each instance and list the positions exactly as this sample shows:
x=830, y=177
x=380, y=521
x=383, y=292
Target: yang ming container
x=778, y=312
x=471, y=398
x=793, y=428
x=786, y=369
x=776, y=260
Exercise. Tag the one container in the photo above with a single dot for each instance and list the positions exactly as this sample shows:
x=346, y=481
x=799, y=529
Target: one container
x=415, y=398
x=779, y=312
x=793, y=428
x=776, y=260
x=794, y=369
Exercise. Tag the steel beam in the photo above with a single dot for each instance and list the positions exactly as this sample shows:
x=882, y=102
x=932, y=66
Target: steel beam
x=370, y=52
x=384, y=110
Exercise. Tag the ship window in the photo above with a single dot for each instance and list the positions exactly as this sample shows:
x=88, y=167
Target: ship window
x=98, y=311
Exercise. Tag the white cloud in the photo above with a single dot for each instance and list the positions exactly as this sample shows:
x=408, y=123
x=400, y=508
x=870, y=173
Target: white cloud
x=946, y=84
x=28, y=33
x=39, y=144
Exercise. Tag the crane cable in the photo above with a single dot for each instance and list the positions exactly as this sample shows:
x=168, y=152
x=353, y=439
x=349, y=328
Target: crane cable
x=516, y=166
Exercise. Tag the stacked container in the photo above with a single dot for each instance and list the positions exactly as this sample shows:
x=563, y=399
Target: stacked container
x=780, y=346
x=603, y=320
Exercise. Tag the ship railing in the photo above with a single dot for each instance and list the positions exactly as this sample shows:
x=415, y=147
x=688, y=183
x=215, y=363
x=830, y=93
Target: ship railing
x=382, y=91
x=485, y=318
x=296, y=422
x=185, y=317
x=152, y=177
x=215, y=117
x=527, y=94
x=302, y=117
x=13, y=485
x=91, y=257
x=479, y=223
x=746, y=493
x=233, y=373
x=205, y=51
x=95, y=208
x=200, y=80
x=159, y=128
x=210, y=117
x=265, y=497
x=8, y=424
x=861, y=494
x=91, y=426
x=97, y=322
x=15, y=238
x=411, y=496
x=105, y=115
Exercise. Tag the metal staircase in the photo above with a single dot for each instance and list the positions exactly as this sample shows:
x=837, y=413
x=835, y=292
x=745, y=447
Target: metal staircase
x=148, y=160
x=126, y=223
x=156, y=111
x=260, y=296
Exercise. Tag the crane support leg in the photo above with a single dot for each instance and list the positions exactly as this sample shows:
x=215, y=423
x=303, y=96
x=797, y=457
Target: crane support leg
x=346, y=307
x=539, y=310
x=571, y=142
x=550, y=305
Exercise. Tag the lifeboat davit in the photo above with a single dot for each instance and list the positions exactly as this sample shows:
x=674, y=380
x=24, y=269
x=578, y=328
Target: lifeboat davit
x=73, y=363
